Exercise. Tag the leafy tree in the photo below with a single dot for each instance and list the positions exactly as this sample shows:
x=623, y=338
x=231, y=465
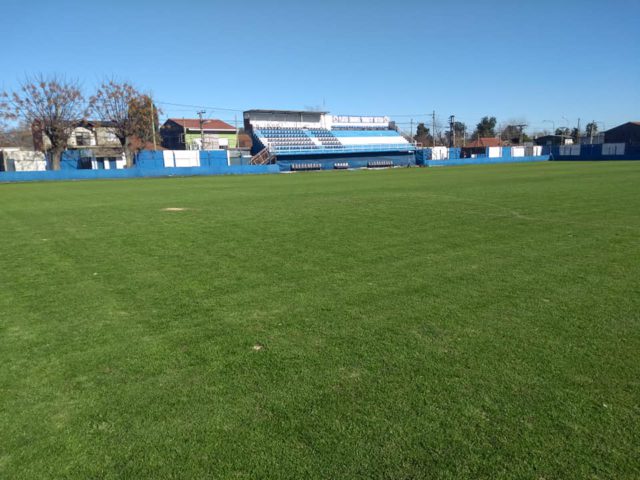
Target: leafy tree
x=459, y=129
x=511, y=133
x=52, y=105
x=591, y=129
x=514, y=133
x=112, y=104
x=146, y=124
x=563, y=131
x=423, y=135
x=486, y=128
x=575, y=134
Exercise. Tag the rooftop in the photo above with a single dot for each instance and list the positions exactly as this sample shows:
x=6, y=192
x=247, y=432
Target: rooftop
x=285, y=111
x=485, y=142
x=208, y=124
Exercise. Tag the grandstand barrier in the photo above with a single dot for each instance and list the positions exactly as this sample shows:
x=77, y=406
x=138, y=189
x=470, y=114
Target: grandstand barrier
x=281, y=150
x=351, y=161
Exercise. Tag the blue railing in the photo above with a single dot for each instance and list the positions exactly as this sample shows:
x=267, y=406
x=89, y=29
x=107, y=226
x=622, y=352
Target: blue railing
x=331, y=149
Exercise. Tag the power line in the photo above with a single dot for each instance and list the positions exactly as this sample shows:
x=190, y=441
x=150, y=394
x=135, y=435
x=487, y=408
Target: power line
x=199, y=106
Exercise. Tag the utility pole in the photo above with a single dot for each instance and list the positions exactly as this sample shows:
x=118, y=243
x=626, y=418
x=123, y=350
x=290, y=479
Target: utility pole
x=464, y=134
x=153, y=123
x=521, y=128
x=411, y=130
x=200, y=114
x=578, y=134
x=184, y=134
x=235, y=121
x=433, y=127
x=452, y=131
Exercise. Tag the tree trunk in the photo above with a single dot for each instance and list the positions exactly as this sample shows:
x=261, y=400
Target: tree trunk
x=56, y=154
x=128, y=155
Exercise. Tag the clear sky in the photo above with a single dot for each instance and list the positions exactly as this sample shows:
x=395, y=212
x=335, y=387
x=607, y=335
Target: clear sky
x=516, y=60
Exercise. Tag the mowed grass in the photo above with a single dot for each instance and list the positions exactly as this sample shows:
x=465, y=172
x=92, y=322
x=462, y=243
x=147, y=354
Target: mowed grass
x=473, y=322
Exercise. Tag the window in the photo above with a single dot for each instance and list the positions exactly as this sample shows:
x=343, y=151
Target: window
x=83, y=139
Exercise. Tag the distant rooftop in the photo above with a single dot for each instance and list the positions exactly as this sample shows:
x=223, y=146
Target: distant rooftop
x=208, y=124
x=485, y=142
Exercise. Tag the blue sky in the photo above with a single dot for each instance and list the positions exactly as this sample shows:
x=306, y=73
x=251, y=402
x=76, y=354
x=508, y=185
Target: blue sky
x=528, y=61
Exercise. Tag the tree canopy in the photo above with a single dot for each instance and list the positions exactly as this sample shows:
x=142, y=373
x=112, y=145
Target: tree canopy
x=486, y=127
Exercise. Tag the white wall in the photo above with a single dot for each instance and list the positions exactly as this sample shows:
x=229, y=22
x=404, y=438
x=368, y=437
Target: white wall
x=495, y=152
x=439, y=153
x=613, y=149
x=359, y=121
x=391, y=140
x=181, y=158
x=286, y=120
x=23, y=161
x=517, y=151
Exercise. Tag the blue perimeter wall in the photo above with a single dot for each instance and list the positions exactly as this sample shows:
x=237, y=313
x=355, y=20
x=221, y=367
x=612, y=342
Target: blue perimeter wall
x=354, y=161
x=593, y=152
x=423, y=157
x=483, y=161
x=149, y=164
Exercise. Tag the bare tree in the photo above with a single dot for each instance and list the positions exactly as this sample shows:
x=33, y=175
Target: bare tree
x=20, y=136
x=112, y=104
x=53, y=105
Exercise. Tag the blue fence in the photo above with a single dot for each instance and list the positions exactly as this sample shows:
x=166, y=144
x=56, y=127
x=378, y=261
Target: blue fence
x=352, y=161
x=483, y=161
x=591, y=152
x=423, y=157
x=148, y=164
x=135, y=173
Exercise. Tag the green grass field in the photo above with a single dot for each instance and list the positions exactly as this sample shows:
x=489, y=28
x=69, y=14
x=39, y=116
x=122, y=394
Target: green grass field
x=471, y=322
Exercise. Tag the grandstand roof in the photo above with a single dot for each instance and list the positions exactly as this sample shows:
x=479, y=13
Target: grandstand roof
x=284, y=111
x=209, y=124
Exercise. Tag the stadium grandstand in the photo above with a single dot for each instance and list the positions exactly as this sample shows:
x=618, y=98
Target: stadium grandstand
x=308, y=140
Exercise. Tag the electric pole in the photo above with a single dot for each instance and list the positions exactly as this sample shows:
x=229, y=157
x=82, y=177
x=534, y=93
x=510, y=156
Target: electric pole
x=433, y=127
x=235, y=121
x=153, y=122
x=452, y=131
x=200, y=114
x=578, y=134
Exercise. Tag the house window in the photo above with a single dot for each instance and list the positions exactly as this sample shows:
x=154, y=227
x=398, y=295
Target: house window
x=83, y=139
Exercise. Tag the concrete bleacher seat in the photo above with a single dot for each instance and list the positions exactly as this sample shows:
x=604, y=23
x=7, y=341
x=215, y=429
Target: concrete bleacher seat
x=296, y=167
x=293, y=141
x=380, y=164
